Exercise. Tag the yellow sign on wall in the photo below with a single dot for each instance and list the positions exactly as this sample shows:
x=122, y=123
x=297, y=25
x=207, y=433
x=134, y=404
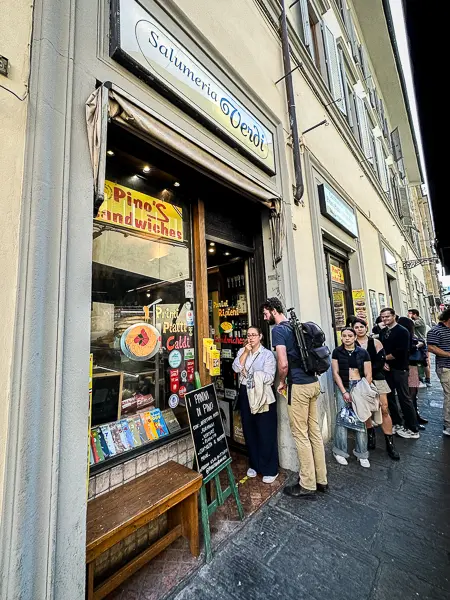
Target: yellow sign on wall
x=128, y=208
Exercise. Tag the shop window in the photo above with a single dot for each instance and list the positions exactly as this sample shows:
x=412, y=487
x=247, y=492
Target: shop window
x=142, y=323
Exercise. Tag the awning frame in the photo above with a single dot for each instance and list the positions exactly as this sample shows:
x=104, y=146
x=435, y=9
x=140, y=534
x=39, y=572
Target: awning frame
x=110, y=103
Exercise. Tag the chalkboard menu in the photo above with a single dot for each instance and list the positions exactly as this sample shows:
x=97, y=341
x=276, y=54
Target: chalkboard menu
x=210, y=443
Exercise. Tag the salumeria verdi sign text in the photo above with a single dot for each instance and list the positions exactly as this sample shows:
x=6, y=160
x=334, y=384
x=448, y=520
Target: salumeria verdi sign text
x=147, y=43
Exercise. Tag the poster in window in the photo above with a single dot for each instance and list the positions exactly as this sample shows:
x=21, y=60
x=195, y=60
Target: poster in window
x=382, y=299
x=339, y=309
x=359, y=304
x=373, y=305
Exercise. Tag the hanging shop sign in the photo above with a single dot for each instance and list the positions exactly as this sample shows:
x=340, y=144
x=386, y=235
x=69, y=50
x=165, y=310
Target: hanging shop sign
x=337, y=210
x=337, y=274
x=359, y=304
x=128, y=208
x=142, y=44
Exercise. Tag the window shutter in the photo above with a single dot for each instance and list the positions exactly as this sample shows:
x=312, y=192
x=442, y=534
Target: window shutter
x=345, y=87
x=396, y=145
x=390, y=190
x=334, y=72
x=362, y=120
x=307, y=28
x=381, y=165
x=352, y=36
x=405, y=212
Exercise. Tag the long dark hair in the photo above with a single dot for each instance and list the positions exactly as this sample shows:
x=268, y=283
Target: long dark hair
x=407, y=323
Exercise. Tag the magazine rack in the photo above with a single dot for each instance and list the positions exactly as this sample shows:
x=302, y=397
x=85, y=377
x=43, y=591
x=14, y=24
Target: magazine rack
x=221, y=495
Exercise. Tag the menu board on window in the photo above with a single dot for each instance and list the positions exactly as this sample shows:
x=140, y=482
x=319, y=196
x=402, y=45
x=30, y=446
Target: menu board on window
x=339, y=308
x=210, y=444
x=359, y=304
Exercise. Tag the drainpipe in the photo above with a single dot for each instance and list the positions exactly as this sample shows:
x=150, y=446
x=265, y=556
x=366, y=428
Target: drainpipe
x=299, y=187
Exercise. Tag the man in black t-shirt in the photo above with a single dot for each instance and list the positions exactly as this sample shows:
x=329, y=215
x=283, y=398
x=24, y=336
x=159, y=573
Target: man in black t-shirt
x=302, y=390
x=397, y=345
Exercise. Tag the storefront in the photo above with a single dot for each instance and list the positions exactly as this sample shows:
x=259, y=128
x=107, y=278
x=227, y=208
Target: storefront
x=339, y=239
x=145, y=318
x=188, y=225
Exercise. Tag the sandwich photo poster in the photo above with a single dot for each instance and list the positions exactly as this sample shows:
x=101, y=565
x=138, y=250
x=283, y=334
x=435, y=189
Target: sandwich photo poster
x=359, y=304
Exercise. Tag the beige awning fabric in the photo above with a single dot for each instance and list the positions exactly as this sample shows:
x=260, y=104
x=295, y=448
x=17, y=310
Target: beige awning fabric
x=107, y=104
x=129, y=115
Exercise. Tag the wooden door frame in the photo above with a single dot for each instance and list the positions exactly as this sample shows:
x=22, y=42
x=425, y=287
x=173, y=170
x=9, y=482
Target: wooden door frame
x=200, y=285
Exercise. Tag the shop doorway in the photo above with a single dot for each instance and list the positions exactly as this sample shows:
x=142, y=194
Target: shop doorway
x=339, y=292
x=229, y=308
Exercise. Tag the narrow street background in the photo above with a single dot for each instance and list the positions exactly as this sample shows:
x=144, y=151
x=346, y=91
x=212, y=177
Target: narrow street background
x=381, y=533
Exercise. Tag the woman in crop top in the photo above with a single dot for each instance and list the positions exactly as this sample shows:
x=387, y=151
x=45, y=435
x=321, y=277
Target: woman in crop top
x=350, y=364
x=378, y=358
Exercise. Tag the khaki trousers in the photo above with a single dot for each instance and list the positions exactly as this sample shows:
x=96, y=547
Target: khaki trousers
x=306, y=433
x=444, y=377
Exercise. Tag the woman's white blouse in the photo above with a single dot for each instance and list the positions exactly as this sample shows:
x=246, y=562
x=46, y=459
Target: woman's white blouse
x=264, y=361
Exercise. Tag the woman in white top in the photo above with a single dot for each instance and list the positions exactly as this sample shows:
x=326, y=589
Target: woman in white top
x=260, y=429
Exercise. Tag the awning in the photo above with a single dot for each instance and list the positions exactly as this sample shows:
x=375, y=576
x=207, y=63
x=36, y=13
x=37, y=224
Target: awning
x=107, y=103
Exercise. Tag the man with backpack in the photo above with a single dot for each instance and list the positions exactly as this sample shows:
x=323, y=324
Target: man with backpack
x=303, y=390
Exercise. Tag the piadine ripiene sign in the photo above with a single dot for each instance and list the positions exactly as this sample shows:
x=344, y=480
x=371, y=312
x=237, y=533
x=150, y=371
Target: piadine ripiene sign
x=210, y=443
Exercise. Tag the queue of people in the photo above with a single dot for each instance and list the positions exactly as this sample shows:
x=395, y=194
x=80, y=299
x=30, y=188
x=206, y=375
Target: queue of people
x=376, y=379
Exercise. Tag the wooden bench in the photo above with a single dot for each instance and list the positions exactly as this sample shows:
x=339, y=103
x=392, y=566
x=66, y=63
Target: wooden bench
x=113, y=516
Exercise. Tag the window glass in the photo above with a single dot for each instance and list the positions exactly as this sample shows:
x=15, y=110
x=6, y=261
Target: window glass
x=142, y=319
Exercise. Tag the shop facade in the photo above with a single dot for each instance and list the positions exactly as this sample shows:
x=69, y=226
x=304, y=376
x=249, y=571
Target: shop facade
x=171, y=231
x=161, y=215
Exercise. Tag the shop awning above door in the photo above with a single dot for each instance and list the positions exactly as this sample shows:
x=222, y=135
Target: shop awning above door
x=109, y=104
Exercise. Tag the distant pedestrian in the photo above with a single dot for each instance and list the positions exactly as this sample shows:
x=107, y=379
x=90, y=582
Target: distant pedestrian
x=420, y=330
x=350, y=320
x=396, y=342
x=350, y=363
x=378, y=327
x=253, y=362
x=303, y=391
x=438, y=340
x=415, y=356
x=378, y=359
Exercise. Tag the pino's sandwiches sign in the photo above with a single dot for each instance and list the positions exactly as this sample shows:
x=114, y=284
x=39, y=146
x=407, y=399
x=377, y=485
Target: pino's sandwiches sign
x=143, y=44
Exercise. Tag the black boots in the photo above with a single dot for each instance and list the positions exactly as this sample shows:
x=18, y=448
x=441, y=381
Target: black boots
x=372, y=438
x=391, y=448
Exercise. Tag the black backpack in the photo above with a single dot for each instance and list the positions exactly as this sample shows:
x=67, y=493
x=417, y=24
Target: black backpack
x=317, y=360
x=314, y=354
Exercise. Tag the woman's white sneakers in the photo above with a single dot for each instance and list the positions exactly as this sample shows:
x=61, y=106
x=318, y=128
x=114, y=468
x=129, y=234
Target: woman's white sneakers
x=251, y=473
x=269, y=478
x=364, y=462
x=340, y=459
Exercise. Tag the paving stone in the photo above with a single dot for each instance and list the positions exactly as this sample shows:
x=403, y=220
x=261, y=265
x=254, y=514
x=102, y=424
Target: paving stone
x=325, y=570
x=241, y=576
x=423, y=510
x=344, y=519
x=395, y=582
x=266, y=532
x=420, y=550
x=199, y=590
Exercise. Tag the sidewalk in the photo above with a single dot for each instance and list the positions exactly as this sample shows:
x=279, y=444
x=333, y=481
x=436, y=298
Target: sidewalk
x=381, y=533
